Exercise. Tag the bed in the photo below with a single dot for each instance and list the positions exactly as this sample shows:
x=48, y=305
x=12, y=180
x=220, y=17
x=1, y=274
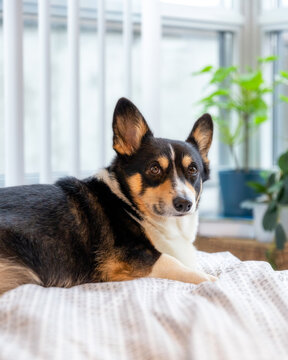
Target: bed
x=243, y=315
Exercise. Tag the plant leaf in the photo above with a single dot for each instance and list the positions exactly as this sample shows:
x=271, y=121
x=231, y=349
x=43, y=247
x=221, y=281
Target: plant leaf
x=283, y=98
x=275, y=187
x=222, y=73
x=259, y=188
x=280, y=237
x=267, y=59
x=220, y=92
x=206, y=69
x=250, y=81
x=259, y=119
x=266, y=90
x=284, y=74
x=271, y=217
x=283, y=162
x=271, y=179
x=283, y=194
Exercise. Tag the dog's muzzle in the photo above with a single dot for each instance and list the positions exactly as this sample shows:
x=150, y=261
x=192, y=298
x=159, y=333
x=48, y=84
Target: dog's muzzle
x=182, y=204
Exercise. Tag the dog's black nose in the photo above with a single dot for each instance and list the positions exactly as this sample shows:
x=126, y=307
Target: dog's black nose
x=181, y=204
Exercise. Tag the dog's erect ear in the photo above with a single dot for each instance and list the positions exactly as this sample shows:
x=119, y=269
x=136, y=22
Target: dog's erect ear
x=201, y=135
x=129, y=127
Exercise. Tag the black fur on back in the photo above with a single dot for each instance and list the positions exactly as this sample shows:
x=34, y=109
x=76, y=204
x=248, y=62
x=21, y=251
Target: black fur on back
x=64, y=231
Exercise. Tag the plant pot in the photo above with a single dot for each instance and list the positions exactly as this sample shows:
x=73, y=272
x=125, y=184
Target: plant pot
x=234, y=190
x=258, y=214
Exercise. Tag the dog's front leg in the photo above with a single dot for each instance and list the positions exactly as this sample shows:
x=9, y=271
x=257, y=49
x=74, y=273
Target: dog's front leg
x=167, y=267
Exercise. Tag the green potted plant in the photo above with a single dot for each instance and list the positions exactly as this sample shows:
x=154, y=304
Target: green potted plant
x=238, y=104
x=272, y=207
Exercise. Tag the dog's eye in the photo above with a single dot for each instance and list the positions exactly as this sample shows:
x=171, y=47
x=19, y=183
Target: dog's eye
x=192, y=169
x=155, y=169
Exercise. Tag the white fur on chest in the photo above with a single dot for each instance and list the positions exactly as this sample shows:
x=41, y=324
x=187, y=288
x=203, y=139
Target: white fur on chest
x=174, y=236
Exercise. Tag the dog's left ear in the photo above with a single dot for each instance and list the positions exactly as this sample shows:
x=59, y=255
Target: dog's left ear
x=202, y=134
x=129, y=128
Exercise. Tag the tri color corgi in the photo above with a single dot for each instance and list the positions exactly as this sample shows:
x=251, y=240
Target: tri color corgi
x=136, y=218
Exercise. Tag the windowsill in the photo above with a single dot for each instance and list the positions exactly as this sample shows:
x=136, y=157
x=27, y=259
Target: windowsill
x=212, y=225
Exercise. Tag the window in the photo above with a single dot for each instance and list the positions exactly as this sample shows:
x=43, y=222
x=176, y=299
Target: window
x=279, y=47
x=275, y=35
x=179, y=89
x=191, y=38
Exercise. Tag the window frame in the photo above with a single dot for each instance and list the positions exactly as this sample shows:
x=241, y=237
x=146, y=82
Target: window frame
x=270, y=21
x=273, y=20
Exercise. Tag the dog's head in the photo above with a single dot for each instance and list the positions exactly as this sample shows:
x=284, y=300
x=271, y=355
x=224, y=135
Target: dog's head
x=161, y=177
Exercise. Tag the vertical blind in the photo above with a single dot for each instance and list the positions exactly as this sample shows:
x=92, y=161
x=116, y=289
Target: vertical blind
x=13, y=92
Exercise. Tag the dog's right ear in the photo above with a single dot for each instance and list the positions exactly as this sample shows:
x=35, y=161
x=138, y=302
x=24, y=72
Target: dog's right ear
x=129, y=128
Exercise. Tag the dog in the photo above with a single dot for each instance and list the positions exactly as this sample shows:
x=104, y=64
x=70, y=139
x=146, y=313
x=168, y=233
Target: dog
x=136, y=218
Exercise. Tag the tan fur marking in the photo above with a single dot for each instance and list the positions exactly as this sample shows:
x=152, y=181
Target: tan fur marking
x=163, y=161
x=128, y=138
x=114, y=269
x=13, y=275
x=168, y=267
x=164, y=192
x=186, y=161
x=204, y=141
x=135, y=184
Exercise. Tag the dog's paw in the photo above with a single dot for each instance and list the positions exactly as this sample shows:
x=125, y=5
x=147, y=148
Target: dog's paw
x=207, y=277
x=211, y=277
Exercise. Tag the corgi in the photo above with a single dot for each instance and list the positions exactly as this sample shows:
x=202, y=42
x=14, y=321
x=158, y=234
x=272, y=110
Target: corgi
x=136, y=218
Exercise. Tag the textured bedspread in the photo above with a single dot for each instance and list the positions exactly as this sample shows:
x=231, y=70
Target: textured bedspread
x=244, y=315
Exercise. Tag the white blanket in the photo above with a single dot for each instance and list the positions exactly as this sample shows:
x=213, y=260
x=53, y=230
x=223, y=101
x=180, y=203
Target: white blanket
x=243, y=315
